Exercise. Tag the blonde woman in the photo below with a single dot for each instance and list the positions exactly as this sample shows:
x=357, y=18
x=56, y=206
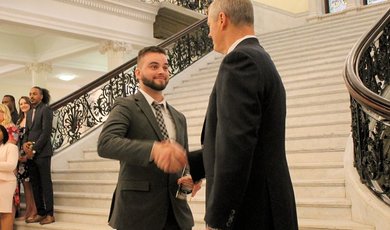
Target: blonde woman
x=8, y=162
x=6, y=121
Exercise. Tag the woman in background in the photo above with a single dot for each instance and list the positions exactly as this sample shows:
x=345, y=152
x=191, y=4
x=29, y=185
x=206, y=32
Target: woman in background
x=13, y=137
x=6, y=121
x=23, y=169
x=8, y=162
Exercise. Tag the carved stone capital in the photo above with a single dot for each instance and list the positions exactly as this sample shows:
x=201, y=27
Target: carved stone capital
x=114, y=46
x=38, y=67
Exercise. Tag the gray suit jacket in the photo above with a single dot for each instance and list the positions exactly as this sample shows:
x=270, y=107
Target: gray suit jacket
x=39, y=130
x=144, y=192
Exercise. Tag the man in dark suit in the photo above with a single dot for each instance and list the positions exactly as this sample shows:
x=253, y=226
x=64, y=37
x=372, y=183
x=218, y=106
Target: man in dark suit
x=151, y=157
x=248, y=182
x=37, y=146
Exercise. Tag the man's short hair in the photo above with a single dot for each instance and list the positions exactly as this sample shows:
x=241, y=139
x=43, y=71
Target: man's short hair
x=149, y=49
x=240, y=12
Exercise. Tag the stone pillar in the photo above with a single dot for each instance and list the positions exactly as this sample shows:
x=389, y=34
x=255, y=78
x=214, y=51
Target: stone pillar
x=353, y=4
x=116, y=53
x=39, y=73
x=316, y=8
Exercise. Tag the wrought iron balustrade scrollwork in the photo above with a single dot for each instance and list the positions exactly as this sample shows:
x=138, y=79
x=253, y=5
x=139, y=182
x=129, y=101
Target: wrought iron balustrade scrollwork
x=84, y=110
x=367, y=76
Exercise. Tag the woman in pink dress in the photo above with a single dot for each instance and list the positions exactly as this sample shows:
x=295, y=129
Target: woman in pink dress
x=8, y=162
x=13, y=137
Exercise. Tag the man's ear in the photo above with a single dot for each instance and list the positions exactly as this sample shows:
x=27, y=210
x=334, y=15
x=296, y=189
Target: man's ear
x=137, y=73
x=223, y=20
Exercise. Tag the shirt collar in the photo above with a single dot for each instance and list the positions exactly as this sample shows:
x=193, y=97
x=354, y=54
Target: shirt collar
x=234, y=45
x=150, y=99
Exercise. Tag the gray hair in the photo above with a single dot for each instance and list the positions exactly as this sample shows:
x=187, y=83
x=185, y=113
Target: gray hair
x=240, y=12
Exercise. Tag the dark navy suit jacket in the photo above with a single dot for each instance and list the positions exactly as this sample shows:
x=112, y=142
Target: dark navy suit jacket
x=244, y=160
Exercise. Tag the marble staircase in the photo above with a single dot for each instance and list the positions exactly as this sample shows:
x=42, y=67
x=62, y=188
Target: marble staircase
x=310, y=60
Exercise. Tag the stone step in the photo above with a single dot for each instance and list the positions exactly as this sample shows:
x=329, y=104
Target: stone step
x=85, y=174
x=315, y=171
x=299, y=109
x=311, y=41
x=319, y=188
x=320, y=30
x=316, y=89
x=93, y=163
x=312, y=120
x=312, y=208
x=326, y=83
x=90, y=154
x=314, y=157
x=83, y=199
x=286, y=57
x=316, y=142
x=319, y=69
x=324, y=208
x=78, y=185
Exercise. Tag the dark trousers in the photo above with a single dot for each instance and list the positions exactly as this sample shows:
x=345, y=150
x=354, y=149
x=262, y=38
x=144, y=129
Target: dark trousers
x=40, y=175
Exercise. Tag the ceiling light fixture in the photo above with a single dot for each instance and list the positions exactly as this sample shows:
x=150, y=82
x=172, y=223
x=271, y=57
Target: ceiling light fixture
x=66, y=76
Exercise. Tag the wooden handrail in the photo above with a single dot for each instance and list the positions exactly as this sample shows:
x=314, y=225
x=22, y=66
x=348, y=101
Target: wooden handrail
x=354, y=84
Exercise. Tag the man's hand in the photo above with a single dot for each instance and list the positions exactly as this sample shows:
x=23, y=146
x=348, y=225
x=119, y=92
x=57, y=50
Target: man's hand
x=187, y=181
x=169, y=156
x=27, y=148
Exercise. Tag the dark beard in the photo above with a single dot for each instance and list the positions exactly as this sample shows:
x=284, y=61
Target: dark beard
x=153, y=85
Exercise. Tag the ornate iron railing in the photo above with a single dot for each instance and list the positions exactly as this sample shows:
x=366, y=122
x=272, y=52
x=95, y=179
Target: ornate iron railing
x=87, y=108
x=367, y=74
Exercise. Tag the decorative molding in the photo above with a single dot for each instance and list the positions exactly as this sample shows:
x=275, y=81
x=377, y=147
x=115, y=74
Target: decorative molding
x=131, y=9
x=36, y=19
x=114, y=46
x=36, y=67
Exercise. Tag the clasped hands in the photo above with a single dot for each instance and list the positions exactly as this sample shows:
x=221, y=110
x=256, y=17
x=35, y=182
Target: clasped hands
x=27, y=148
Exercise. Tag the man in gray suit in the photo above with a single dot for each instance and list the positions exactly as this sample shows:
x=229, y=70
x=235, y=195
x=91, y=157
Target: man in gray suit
x=151, y=157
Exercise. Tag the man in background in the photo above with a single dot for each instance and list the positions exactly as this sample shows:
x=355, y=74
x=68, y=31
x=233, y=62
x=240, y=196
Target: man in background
x=37, y=146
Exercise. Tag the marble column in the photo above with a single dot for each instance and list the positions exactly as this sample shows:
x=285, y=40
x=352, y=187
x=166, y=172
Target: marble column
x=316, y=8
x=115, y=52
x=39, y=73
x=352, y=4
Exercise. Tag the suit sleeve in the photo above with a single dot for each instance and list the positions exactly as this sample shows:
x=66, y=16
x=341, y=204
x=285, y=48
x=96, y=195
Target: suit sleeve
x=47, y=124
x=113, y=142
x=239, y=114
x=195, y=160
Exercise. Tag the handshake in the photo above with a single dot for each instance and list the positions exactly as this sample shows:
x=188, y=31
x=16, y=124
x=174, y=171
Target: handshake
x=169, y=156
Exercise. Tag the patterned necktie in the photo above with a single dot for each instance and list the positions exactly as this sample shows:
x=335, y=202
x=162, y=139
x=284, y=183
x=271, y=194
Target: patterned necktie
x=160, y=120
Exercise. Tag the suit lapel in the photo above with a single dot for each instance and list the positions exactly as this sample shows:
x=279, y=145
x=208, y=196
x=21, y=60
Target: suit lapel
x=176, y=123
x=29, y=121
x=144, y=106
